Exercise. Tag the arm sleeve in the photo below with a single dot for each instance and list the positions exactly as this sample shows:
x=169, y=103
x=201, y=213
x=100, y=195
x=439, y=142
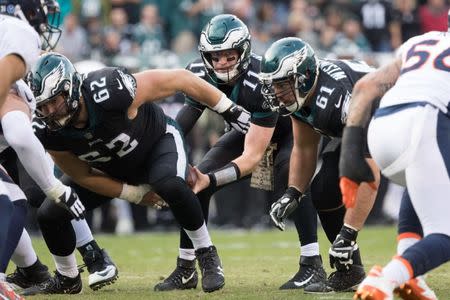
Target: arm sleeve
x=264, y=119
x=19, y=134
x=187, y=117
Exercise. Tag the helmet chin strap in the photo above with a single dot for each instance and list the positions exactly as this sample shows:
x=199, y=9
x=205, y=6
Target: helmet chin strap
x=229, y=75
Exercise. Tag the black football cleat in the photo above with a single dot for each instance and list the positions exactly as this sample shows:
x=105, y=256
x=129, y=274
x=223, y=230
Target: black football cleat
x=102, y=270
x=311, y=271
x=184, y=277
x=29, y=276
x=339, y=281
x=59, y=284
x=213, y=278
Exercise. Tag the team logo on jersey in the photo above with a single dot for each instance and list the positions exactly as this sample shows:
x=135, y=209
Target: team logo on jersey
x=50, y=83
x=129, y=82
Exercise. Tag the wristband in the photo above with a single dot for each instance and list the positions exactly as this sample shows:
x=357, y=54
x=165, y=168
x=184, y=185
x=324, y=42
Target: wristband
x=134, y=193
x=294, y=192
x=223, y=104
x=222, y=176
x=56, y=191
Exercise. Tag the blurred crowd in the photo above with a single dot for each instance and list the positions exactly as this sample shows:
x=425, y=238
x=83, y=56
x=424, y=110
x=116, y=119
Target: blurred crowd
x=143, y=34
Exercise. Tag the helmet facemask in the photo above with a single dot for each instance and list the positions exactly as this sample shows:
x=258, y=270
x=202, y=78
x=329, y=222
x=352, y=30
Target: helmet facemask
x=43, y=15
x=233, y=72
x=55, y=120
x=287, y=89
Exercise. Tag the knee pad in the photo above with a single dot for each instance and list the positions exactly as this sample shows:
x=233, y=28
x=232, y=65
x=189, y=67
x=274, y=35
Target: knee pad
x=172, y=190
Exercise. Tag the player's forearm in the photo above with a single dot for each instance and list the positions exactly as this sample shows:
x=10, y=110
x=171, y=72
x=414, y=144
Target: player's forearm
x=100, y=183
x=257, y=140
x=198, y=89
x=363, y=96
x=367, y=89
x=19, y=134
x=301, y=168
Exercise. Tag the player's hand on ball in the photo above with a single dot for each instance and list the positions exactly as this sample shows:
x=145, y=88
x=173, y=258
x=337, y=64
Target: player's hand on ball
x=202, y=181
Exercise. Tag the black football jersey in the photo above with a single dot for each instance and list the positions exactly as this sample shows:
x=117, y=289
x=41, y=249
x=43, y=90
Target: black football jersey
x=111, y=142
x=246, y=92
x=328, y=108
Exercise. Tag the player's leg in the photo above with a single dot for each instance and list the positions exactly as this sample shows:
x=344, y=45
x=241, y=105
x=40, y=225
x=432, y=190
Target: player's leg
x=326, y=196
x=17, y=220
x=305, y=218
x=410, y=232
x=167, y=165
x=423, y=150
x=101, y=268
x=29, y=270
x=59, y=234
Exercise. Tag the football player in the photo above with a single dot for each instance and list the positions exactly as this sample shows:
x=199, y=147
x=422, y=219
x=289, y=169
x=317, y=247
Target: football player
x=228, y=62
x=22, y=23
x=408, y=138
x=104, y=133
x=316, y=94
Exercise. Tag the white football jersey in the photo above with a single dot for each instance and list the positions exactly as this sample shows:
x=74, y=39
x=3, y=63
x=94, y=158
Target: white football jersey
x=425, y=72
x=18, y=37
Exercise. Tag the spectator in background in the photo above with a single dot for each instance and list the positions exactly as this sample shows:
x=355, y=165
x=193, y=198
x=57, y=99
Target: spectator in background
x=73, y=42
x=185, y=47
x=351, y=31
x=433, y=16
x=130, y=7
x=300, y=22
x=376, y=19
x=148, y=33
x=406, y=23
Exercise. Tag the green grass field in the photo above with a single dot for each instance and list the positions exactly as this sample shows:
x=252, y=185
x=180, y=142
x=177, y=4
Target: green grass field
x=255, y=263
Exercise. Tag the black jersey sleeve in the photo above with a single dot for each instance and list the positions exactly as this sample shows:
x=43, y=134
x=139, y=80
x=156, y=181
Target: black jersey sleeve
x=48, y=139
x=264, y=119
x=187, y=117
x=111, y=88
x=198, y=68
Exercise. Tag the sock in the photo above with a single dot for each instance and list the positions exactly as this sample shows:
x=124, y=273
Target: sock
x=406, y=240
x=187, y=254
x=2, y=277
x=310, y=249
x=200, y=238
x=82, y=232
x=15, y=229
x=66, y=265
x=92, y=245
x=24, y=255
x=397, y=272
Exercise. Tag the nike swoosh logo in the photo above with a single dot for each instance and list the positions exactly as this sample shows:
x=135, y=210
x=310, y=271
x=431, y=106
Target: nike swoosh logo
x=337, y=105
x=120, y=84
x=302, y=283
x=105, y=272
x=186, y=280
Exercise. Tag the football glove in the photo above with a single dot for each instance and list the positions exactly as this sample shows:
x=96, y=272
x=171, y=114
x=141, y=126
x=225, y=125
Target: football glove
x=284, y=206
x=353, y=168
x=237, y=117
x=341, y=252
x=70, y=201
